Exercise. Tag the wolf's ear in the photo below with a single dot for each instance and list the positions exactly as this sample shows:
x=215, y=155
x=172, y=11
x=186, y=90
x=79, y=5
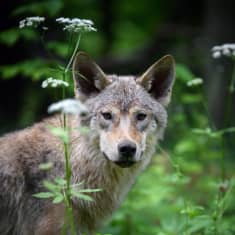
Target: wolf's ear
x=159, y=78
x=88, y=76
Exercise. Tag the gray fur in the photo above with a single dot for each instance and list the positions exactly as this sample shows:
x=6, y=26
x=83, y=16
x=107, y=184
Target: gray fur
x=21, y=153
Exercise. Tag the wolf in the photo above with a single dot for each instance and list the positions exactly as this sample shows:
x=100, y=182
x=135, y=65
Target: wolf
x=127, y=116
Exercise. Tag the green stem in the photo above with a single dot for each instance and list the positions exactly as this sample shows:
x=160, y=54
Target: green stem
x=232, y=82
x=74, y=53
x=67, y=168
x=71, y=220
x=227, y=123
x=68, y=202
x=66, y=147
x=223, y=170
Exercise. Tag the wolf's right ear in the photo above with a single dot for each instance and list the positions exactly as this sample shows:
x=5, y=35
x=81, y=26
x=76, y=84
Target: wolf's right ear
x=88, y=77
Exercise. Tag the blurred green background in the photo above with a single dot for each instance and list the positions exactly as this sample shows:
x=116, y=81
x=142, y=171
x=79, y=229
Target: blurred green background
x=189, y=187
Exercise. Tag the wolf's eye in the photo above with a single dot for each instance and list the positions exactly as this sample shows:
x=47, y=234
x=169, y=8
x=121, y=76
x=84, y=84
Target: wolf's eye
x=107, y=115
x=141, y=116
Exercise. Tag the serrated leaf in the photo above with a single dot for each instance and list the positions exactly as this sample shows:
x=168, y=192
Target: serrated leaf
x=43, y=195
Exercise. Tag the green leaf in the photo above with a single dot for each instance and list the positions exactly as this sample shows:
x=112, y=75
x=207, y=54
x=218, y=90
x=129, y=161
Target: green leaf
x=51, y=186
x=46, y=166
x=10, y=36
x=60, y=132
x=60, y=181
x=81, y=196
x=183, y=73
x=43, y=195
x=213, y=134
x=35, y=69
x=59, y=48
x=191, y=98
x=58, y=199
x=89, y=190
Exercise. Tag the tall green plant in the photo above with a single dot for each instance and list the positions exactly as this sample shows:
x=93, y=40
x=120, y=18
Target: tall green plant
x=61, y=190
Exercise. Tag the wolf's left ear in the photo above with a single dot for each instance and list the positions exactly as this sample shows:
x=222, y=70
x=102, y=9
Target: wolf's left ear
x=88, y=77
x=159, y=79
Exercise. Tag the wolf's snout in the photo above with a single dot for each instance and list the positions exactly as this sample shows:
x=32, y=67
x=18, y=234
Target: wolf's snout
x=127, y=149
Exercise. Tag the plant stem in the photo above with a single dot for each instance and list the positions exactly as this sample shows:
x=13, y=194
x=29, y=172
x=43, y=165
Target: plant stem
x=67, y=168
x=232, y=82
x=69, y=208
x=227, y=123
x=74, y=53
x=68, y=203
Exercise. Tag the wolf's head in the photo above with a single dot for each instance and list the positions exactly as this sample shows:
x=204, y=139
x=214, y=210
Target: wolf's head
x=126, y=111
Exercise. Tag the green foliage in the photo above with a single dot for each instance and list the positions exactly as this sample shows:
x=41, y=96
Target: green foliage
x=56, y=191
x=35, y=69
x=60, y=132
x=50, y=8
x=10, y=36
x=183, y=73
x=184, y=192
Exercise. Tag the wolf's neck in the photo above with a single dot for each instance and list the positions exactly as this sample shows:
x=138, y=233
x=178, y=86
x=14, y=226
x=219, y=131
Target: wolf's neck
x=91, y=167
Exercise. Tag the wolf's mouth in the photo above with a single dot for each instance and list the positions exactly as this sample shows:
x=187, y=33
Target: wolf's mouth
x=123, y=164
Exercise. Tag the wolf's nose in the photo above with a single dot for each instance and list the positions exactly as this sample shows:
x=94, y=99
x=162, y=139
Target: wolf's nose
x=127, y=148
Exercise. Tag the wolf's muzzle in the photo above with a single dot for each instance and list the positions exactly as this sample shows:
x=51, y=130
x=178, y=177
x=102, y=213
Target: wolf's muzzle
x=126, y=151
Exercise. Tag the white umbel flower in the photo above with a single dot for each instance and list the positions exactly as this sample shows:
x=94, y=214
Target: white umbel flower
x=68, y=106
x=52, y=82
x=227, y=49
x=195, y=82
x=32, y=21
x=76, y=25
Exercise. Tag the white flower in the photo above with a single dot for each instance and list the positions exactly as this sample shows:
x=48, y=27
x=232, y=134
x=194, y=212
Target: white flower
x=68, y=106
x=216, y=54
x=227, y=49
x=31, y=21
x=54, y=83
x=195, y=82
x=76, y=25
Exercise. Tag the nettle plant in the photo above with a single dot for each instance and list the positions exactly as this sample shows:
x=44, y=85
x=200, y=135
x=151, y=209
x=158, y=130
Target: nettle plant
x=61, y=190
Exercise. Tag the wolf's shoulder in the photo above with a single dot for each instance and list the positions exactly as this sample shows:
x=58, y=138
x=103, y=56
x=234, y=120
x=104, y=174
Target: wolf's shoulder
x=27, y=148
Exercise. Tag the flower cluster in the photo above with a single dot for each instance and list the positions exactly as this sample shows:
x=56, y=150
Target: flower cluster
x=52, y=82
x=33, y=21
x=68, y=106
x=223, y=50
x=76, y=25
x=195, y=82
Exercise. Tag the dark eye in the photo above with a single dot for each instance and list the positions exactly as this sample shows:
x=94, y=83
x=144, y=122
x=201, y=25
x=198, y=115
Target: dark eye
x=141, y=116
x=107, y=115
